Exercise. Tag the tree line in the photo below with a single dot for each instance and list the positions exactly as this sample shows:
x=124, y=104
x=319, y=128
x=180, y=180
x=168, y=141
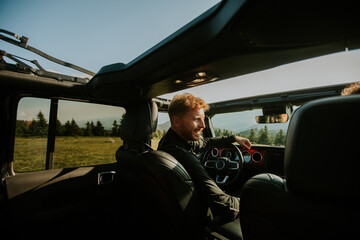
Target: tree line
x=39, y=128
x=256, y=136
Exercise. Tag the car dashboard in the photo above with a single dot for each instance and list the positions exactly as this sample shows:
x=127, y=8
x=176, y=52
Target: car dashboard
x=258, y=159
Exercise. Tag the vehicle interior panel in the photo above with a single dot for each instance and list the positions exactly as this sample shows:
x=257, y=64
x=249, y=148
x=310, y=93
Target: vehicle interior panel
x=74, y=197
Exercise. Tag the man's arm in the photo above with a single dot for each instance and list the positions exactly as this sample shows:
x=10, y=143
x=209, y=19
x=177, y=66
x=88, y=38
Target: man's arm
x=244, y=142
x=220, y=203
x=208, y=143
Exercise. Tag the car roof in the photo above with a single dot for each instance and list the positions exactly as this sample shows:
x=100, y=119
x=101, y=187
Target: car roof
x=232, y=38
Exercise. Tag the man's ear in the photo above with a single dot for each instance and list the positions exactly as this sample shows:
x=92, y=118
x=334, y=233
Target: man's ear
x=175, y=121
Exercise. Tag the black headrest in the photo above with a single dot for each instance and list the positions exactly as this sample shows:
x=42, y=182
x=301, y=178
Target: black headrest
x=322, y=148
x=139, y=122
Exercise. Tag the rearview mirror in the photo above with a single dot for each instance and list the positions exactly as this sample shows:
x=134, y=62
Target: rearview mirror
x=274, y=118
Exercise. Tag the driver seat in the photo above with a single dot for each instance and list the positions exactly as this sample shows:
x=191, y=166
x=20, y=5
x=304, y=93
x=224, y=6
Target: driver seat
x=319, y=198
x=164, y=201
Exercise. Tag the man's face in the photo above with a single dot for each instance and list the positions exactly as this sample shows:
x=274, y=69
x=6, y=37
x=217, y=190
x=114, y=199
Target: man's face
x=191, y=124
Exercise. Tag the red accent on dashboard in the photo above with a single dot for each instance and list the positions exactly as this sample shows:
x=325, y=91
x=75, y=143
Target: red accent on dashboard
x=258, y=160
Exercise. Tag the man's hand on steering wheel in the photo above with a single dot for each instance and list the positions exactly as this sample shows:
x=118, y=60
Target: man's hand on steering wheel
x=244, y=142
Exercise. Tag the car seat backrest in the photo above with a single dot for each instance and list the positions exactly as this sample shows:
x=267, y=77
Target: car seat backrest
x=322, y=149
x=319, y=197
x=162, y=191
x=138, y=125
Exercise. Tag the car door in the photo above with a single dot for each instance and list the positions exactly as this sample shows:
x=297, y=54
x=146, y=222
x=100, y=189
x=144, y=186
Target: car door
x=64, y=199
x=66, y=179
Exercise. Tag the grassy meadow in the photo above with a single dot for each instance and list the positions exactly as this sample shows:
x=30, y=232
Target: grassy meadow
x=30, y=152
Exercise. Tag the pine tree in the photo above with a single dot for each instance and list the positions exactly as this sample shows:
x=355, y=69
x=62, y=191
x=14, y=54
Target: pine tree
x=280, y=138
x=40, y=127
x=71, y=128
x=88, y=131
x=92, y=126
x=21, y=128
x=252, y=136
x=67, y=128
x=76, y=131
x=99, y=129
x=59, y=131
x=264, y=137
x=122, y=119
x=217, y=132
x=115, y=129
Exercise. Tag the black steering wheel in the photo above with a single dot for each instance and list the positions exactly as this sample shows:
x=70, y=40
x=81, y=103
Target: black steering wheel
x=224, y=164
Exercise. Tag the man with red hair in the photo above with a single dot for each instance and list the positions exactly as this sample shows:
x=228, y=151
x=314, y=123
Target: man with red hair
x=183, y=139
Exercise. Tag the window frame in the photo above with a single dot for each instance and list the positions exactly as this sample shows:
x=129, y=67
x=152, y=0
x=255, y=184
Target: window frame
x=51, y=134
x=294, y=107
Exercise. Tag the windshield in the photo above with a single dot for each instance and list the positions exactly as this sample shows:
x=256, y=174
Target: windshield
x=244, y=124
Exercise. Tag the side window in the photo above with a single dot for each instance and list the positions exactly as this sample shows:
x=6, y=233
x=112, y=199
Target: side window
x=84, y=134
x=162, y=127
x=31, y=134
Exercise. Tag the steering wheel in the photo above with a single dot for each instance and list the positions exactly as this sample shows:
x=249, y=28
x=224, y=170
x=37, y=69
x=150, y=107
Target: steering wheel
x=224, y=165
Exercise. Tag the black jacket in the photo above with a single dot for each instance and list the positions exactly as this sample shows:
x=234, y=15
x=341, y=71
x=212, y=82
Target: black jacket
x=220, y=203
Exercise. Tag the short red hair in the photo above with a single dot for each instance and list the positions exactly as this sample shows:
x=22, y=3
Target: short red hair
x=181, y=104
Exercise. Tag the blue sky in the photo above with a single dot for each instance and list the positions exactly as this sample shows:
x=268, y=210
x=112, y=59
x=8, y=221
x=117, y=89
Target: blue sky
x=94, y=33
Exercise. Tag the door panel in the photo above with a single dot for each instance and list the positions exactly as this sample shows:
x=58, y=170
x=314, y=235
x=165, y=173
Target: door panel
x=67, y=199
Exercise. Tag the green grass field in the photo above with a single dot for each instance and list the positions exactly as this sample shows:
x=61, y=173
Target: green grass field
x=30, y=153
